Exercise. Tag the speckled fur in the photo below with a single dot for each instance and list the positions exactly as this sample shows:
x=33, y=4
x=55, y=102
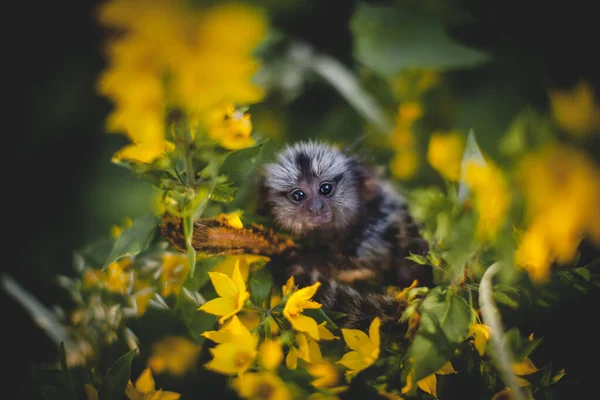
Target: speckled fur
x=368, y=239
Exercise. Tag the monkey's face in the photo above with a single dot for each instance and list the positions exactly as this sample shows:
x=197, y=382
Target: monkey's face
x=313, y=186
x=311, y=200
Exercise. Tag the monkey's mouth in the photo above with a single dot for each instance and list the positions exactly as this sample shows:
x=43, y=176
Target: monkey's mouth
x=315, y=221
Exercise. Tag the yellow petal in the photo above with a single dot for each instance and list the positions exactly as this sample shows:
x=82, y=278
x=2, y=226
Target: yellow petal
x=306, y=293
x=314, y=352
x=524, y=367
x=232, y=358
x=218, y=306
x=446, y=369
x=429, y=384
x=238, y=280
x=308, y=349
x=324, y=333
x=270, y=354
x=410, y=378
x=302, y=323
x=288, y=287
x=145, y=382
x=132, y=393
x=481, y=334
x=374, y=332
x=169, y=396
x=356, y=339
x=504, y=394
x=233, y=330
x=355, y=361
x=522, y=382
x=325, y=373
x=291, y=360
x=223, y=284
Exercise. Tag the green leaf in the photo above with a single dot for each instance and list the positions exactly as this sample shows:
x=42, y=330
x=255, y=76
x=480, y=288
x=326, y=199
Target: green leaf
x=196, y=321
x=389, y=39
x=520, y=346
x=445, y=320
x=64, y=366
x=96, y=253
x=240, y=163
x=507, y=295
x=260, y=285
x=135, y=239
x=115, y=381
x=224, y=192
x=417, y=258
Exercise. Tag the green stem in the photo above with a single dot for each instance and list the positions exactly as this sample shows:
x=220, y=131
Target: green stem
x=188, y=230
x=491, y=318
x=346, y=83
x=189, y=169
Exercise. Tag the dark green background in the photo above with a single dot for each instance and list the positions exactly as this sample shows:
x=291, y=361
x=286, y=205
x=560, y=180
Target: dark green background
x=63, y=192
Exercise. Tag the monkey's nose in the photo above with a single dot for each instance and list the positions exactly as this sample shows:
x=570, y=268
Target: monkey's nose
x=315, y=205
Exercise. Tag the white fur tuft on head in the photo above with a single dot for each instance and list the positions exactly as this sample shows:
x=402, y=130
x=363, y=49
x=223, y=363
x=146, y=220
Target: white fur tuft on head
x=307, y=161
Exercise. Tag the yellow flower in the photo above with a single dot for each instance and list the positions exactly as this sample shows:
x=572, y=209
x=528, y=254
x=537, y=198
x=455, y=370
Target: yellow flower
x=365, y=348
x=231, y=331
x=243, y=261
x=575, y=110
x=445, y=153
x=236, y=351
x=250, y=318
x=170, y=53
x=404, y=164
x=402, y=139
x=492, y=197
x=261, y=385
x=408, y=113
x=429, y=383
x=288, y=287
x=561, y=186
x=175, y=268
x=232, y=295
x=144, y=389
x=143, y=292
x=481, y=334
x=232, y=129
x=94, y=277
x=119, y=276
x=298, y=302
x=325, y=373
x=270, y=354
x=414, y=82
x=219, y=68
x=232, y=219
x=324, y=333
x=308, y=350
x=173, y=355
x=533, y=253
x=524, y=367
x=401, y=296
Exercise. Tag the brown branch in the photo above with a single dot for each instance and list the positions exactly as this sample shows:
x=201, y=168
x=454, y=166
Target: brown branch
x=215, y=238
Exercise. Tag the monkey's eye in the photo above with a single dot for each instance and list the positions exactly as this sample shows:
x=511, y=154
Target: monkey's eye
x=325, y=189
x=298, y=196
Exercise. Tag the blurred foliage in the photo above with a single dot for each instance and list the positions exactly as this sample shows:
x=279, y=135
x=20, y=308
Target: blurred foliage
x=424, y=69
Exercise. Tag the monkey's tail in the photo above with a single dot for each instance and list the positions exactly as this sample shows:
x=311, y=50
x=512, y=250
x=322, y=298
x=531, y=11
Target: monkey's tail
x=360, y=308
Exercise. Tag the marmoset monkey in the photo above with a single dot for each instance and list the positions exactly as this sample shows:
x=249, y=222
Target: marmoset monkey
x=351, y=228
x=355, y=226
